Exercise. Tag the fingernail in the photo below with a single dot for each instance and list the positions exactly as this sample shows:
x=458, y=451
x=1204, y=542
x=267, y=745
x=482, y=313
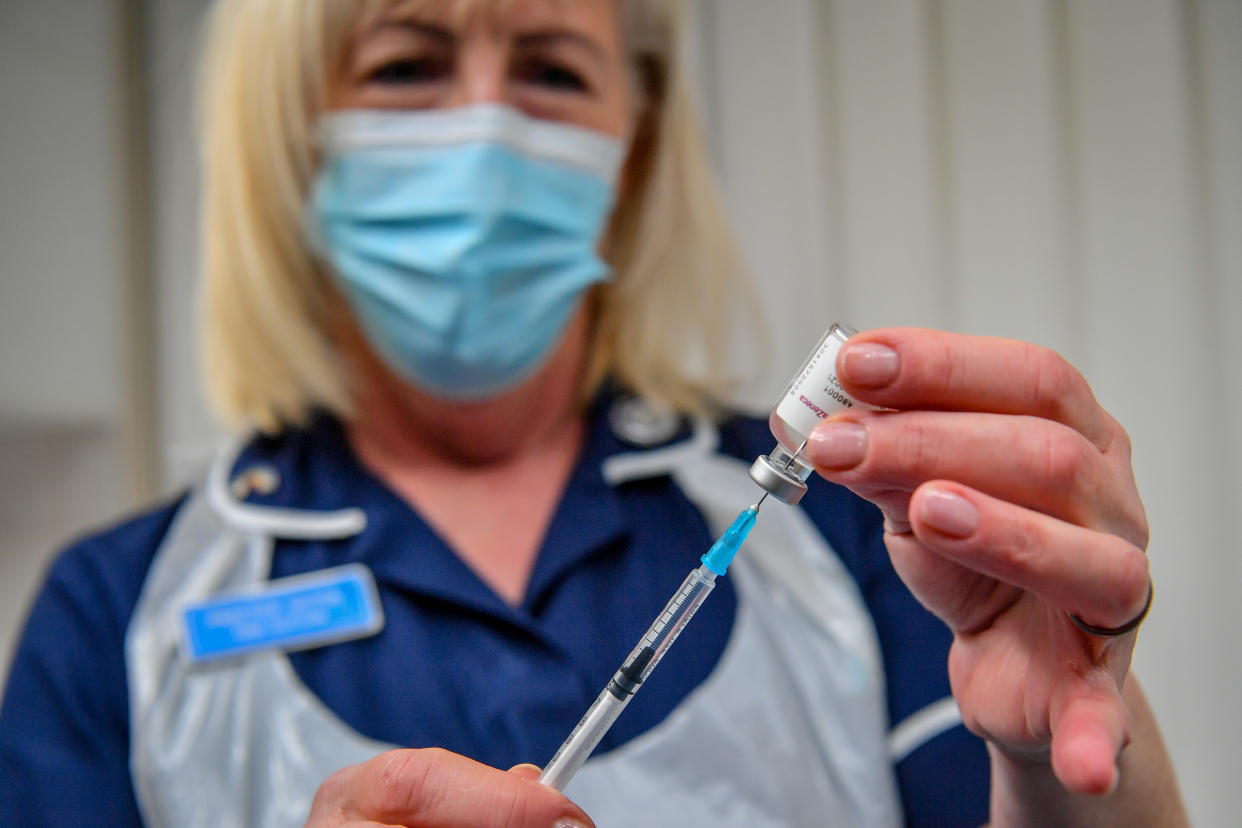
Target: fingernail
x=570, y=823
x=838, y=445
x=526, y=770
x=949, y=513
x=870, y=364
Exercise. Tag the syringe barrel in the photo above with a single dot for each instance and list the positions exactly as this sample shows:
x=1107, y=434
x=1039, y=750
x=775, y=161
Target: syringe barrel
x=582, y=741
x=673, y=619
x=627, y=680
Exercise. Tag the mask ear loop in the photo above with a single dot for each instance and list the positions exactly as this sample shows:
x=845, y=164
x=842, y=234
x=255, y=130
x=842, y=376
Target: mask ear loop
x=1113, y=632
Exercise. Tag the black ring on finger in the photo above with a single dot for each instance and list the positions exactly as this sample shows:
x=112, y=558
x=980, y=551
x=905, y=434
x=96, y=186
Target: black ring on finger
x=1113, y=632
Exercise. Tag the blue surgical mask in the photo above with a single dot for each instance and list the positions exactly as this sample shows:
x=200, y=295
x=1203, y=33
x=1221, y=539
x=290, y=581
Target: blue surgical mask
x=464, y=239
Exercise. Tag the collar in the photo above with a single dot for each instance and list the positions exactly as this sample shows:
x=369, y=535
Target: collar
x=307, y=485
x=224, y=482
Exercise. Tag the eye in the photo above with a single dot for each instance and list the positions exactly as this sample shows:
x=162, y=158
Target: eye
x=411, y=70
x=551, y=75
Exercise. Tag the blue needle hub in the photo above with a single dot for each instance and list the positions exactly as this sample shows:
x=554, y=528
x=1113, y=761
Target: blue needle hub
x=721, y=554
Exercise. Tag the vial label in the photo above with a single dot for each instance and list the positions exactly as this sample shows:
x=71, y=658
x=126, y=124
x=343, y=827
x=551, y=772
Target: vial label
x=817, y=393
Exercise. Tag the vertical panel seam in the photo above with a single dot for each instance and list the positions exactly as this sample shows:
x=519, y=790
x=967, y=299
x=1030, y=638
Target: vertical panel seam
x=1071, y=216
x=832, y=157
x=942, y=174
x=710, y=109
x=1203, y=219
x=137, y=339
x=1205, y=229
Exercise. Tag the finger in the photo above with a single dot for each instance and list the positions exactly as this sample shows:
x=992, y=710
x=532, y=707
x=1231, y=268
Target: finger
x=526, y=770
x=916, y=368
x=1029, y=461
x=964, y=599
x=1090, y=726
x=433, y=788
x=1096, y=575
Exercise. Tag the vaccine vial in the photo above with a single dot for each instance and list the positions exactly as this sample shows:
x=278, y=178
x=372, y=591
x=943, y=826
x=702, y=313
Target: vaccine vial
x=814, y=395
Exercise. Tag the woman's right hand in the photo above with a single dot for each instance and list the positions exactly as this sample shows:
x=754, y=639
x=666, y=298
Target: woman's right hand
x=432, y=788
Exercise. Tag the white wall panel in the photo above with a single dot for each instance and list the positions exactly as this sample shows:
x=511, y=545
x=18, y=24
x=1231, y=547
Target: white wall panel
x=1006, y=173
x=63, y=247
x=1216, y=28
x=187, y=431
x=61, y=208
x=767, y=154
x=1215, y=32
x=877, y=58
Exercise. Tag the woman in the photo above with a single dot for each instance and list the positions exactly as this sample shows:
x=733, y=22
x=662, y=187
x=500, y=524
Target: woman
x=455, y=258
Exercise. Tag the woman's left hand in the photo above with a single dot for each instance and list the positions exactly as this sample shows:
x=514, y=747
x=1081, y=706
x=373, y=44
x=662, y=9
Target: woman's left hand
x=1009, y=501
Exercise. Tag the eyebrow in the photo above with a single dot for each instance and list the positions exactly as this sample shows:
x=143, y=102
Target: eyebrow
x=533, y=39
x=553, y=37
x=437, y=33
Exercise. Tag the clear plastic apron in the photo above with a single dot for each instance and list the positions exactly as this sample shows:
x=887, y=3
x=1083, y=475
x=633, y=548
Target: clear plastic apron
x=788, y=730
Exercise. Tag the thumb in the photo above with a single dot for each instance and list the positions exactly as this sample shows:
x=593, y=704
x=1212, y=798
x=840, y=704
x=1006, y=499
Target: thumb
x=526, y=770
x=1088, y=734
x=433, y=788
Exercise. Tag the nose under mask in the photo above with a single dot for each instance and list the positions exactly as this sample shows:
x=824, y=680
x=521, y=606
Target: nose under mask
x=463, y=239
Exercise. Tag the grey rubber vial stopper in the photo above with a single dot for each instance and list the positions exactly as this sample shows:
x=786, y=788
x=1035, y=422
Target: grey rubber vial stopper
x=776, y=479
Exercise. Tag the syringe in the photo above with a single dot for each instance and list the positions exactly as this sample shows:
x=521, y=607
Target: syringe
x=651, y=648
x=813, y=395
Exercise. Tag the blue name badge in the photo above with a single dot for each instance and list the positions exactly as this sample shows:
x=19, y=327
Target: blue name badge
x=293, y=613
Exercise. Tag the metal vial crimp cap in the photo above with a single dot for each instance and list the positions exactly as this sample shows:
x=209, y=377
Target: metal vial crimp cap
x=775, y=478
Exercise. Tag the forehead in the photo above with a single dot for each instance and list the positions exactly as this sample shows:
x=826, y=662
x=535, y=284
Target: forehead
x=599, y=16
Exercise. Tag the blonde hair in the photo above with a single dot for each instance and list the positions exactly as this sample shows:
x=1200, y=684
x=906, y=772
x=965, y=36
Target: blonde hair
x=662, y=324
